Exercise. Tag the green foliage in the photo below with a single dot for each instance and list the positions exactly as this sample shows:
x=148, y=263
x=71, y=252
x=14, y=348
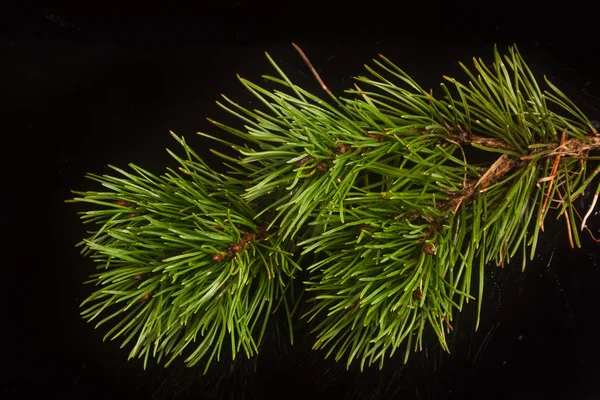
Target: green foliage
x=392, y=199
x=181, y=260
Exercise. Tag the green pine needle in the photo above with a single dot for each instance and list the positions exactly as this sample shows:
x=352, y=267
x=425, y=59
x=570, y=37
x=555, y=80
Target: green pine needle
x=393, y=201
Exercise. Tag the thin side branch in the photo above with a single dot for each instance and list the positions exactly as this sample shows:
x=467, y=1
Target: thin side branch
x=551, y=178
x=312, y=69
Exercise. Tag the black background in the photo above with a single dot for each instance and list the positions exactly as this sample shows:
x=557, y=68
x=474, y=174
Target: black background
x=89, y=85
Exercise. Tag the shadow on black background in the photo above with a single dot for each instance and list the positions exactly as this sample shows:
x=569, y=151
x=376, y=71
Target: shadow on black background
x=91, y=86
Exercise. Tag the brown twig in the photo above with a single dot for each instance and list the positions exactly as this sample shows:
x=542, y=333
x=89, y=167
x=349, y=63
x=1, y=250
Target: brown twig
x=312, y=69
x=464, y=137
x=499, y=168
x=551, y=178
x=574, y=148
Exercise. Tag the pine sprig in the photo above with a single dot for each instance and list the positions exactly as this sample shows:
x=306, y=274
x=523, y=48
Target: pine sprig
x=181, y=260
x=394, y=200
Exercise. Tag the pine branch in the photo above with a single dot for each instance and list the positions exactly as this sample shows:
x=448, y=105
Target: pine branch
x=393, y=200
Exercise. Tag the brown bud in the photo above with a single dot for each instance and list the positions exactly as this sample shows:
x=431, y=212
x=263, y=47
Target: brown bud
x=236, y=247
x=341, y=148
x=124, y=203
x=321, y=167
x=147, y=296
x=217, y=257
x=429, y=248
x=139, y=277
x=418, y=294
x=303, y=161
x=379, y=138
x=247, y=237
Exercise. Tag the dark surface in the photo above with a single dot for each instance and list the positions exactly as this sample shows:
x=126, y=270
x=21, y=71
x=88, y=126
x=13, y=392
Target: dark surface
x=86, y=87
